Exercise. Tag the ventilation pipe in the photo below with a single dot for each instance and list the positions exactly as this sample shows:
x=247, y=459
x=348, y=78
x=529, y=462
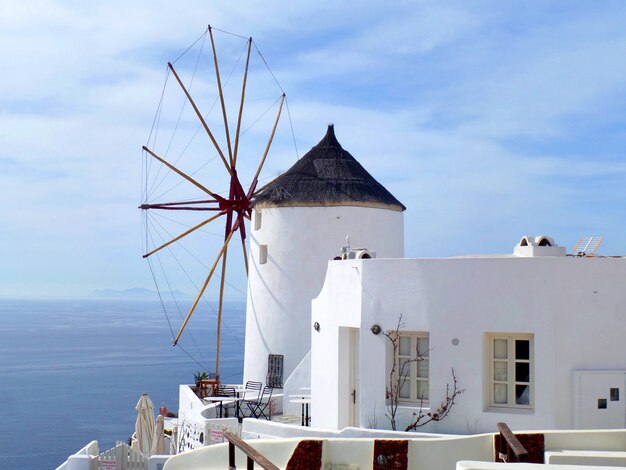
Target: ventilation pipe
x=361, y=253
x=530, y=246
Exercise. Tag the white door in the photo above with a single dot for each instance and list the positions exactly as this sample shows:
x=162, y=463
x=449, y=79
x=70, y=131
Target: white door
x=601, y=400
x=354, y=377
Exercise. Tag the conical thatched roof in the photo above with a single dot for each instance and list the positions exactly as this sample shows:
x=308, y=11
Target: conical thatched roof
x=327, y=176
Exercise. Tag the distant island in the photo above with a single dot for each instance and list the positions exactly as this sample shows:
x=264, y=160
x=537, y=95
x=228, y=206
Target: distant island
x=137, y=293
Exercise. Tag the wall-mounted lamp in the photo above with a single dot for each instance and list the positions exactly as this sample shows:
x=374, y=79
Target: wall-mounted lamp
x=376, y=329
x=316, y=326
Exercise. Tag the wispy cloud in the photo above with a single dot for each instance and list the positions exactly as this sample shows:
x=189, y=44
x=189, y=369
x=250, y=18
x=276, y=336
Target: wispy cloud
x=487, y=119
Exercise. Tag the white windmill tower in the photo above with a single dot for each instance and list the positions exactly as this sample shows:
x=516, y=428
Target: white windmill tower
x=299, y=223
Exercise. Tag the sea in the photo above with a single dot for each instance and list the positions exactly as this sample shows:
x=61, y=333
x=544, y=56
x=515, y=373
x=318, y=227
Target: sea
x=72, y=371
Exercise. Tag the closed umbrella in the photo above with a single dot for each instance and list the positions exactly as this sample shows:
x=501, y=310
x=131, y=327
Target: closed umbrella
x=158, y=445
x=174, y=441
x=144, y=426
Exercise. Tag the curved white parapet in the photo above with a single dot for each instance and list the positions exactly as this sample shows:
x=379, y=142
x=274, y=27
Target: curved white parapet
x=216, y=456
x=470, y=465
x=587, y=457
x=81, y=462
x=81, y=459
x=423, y=454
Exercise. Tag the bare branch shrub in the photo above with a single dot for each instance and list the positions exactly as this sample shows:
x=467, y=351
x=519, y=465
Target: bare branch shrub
x=424, y=417
x=398, y=375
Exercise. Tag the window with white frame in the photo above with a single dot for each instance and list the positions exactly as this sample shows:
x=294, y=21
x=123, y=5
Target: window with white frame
x=412, y=367
x=511, y=370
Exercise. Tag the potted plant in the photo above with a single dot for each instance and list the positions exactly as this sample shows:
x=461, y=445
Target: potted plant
x=198, y=378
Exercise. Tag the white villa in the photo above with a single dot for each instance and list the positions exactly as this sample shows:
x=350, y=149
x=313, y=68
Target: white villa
x=535, y=339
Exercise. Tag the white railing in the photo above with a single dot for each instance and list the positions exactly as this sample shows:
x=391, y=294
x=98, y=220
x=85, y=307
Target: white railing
x=216, y=432
x=193, y=434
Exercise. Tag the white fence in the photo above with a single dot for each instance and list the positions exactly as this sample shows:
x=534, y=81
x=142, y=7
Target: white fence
x=216, y=432
x=122, y=457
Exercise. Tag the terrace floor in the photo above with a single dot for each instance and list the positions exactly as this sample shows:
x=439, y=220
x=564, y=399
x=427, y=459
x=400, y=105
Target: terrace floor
x=287, y=419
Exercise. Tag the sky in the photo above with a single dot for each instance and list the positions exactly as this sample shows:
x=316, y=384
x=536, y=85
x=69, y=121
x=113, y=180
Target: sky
x=489, y=120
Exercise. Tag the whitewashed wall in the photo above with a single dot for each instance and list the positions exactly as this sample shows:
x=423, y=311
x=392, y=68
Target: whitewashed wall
x=338, y=304
x=576, y=308
x=300, y=241
x=424, y=453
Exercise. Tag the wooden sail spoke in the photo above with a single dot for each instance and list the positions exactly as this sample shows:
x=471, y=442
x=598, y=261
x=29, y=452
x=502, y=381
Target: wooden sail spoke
x=219, y=87
x=199, y=114
x=237, y=223
x=180, y=173
x=245, y=254
x=242, y=225
x=269, y=143
x=204, y=286
x=219, y=314
x=242, y=232
x=176, y=207
x=237, y=188
x=253, y=192
x=182, y=203
x=184, y=234
x=243, y=97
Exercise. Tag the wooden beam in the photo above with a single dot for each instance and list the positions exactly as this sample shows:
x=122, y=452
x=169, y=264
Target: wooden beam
x=247, y=449
x=187, y=177
x=245, y=254
x=512, y=443
x=219, y=87
x=204, y=286
x=199, y=114
x=184, y=234
x=257, y=191
x=269, y=143
x=179, y=203
x=243, y=96
x=219, y=314
x=167, y=207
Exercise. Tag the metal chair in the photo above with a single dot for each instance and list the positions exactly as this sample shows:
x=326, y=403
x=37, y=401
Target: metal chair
x=261, y=407
x=254, y=386
x=251, y=393
x=228, y=392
